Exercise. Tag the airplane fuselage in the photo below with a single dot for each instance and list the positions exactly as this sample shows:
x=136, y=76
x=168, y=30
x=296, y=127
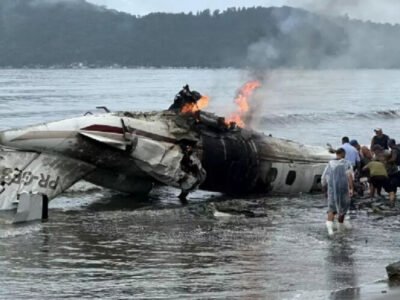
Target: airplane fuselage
x=130, y=152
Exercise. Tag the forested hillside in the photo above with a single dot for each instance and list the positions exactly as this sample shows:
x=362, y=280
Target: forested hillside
x=44, y=33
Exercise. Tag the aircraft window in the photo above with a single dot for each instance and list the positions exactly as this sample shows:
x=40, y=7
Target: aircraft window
x=272, y=174
x=291, y=177
x=317, y=184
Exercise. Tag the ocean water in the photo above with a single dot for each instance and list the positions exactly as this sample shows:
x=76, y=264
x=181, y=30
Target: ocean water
x=101, y=244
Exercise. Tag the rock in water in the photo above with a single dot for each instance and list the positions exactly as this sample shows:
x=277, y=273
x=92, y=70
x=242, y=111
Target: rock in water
x=393, y=271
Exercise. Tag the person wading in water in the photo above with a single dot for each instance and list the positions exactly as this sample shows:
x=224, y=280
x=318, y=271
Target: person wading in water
x=337, y=179
x=380, y=139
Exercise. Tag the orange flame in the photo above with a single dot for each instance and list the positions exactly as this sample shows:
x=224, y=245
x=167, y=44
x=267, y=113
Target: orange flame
x=194, y=107
x=241, y=100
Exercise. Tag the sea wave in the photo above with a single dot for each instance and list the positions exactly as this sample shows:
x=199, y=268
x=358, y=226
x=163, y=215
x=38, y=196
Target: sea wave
x=328, y=116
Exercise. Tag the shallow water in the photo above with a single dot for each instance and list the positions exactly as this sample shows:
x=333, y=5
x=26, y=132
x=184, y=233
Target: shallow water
x=100, y=244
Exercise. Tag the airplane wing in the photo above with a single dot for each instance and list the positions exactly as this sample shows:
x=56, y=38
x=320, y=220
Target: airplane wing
x=27, y=179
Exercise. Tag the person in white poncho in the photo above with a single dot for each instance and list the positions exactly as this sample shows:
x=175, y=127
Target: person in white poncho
x=337, y=180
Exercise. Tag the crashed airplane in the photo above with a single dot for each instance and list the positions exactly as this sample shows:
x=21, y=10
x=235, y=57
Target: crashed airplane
x=131, y=152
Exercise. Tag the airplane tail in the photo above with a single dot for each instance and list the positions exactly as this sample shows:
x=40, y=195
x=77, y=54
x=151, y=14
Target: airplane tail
x=28, y=180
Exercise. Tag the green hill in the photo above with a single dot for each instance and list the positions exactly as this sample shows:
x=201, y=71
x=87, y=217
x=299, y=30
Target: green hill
x=63, y=33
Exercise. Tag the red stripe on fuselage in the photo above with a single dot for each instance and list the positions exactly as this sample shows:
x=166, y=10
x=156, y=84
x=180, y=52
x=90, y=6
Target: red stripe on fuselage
x=118, y=130
x=104, y=128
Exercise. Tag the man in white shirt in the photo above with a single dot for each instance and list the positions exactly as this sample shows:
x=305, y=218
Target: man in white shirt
x=352, y=154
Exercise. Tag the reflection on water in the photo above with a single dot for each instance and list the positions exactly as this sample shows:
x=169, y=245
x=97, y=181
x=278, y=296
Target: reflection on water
x=340, y=255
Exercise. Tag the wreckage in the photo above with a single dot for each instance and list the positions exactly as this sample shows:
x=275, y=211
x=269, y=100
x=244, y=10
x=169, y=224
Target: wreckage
x=182, y=147
x=131, y=152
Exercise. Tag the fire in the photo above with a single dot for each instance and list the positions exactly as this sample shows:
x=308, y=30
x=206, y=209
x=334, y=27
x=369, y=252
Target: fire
x=193, y=107
x=241, y=100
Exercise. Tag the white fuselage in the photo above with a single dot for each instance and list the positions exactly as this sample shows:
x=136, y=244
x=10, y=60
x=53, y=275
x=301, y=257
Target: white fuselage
x=104, y=141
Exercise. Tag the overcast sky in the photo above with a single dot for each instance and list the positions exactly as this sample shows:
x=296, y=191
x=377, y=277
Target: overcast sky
x=375, y=10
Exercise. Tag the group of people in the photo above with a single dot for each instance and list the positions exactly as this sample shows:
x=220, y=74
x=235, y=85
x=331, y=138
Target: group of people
x=344, y=176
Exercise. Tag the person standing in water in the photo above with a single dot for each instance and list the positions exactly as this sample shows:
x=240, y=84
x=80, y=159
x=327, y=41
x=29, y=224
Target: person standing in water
x=337, y=179
x=352, y=154
x=380, y=139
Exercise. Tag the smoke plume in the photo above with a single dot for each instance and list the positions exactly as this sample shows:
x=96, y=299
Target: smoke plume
x=324, y=36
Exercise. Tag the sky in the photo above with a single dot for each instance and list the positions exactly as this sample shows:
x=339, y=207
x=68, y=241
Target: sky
x=375, y=10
